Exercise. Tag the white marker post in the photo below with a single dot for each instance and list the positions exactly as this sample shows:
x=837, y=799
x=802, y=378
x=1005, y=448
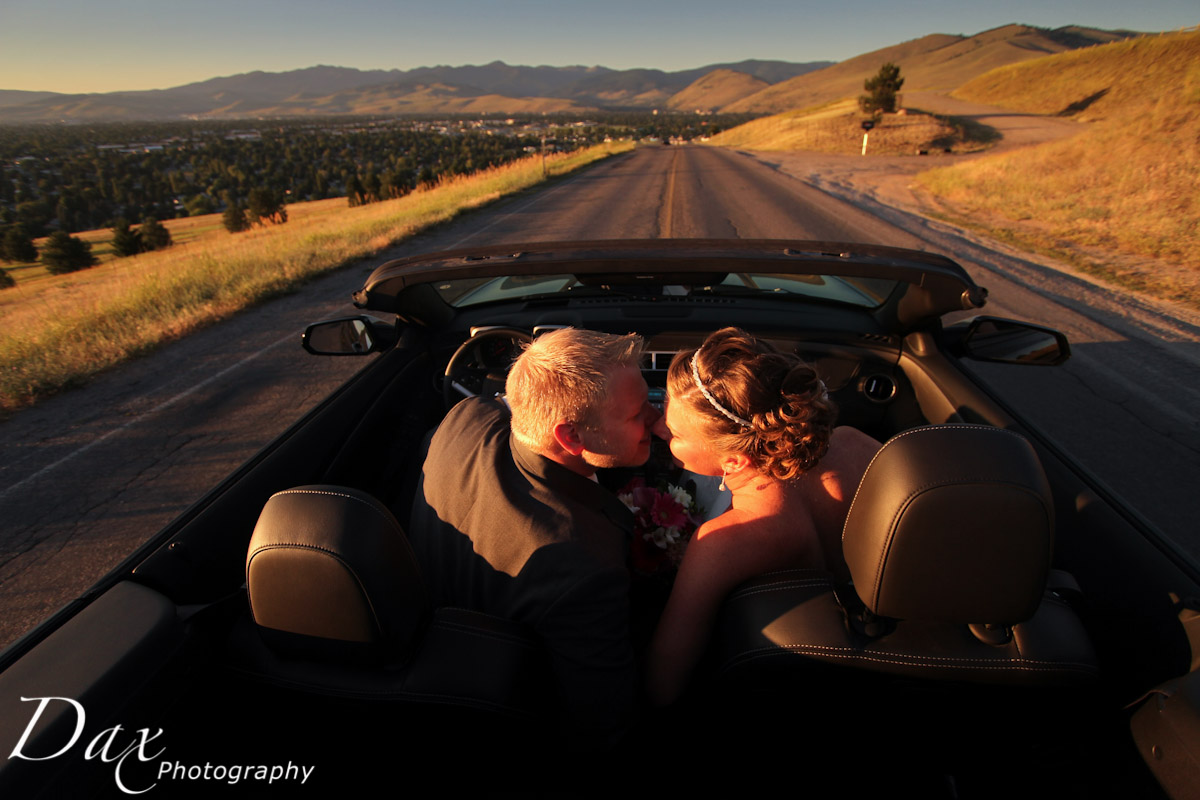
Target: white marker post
x=867, y=124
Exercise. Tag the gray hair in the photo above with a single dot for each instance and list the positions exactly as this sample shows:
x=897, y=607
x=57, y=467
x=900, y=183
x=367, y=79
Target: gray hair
x=564, y=375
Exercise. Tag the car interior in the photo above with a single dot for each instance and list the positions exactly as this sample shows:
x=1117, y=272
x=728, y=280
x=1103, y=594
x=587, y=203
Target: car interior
x=1005, y=621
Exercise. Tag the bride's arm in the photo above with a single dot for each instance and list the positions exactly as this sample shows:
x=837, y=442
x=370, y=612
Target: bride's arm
x=718, y=558
x=682, y=631
x=725, y=552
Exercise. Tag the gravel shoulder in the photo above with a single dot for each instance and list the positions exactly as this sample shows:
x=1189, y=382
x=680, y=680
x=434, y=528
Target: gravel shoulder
x=887, y=184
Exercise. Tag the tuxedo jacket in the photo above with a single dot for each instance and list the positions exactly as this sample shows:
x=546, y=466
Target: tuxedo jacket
x=501, y=529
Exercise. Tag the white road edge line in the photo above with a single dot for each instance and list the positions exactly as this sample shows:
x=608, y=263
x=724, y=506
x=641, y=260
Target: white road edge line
x=291, y=337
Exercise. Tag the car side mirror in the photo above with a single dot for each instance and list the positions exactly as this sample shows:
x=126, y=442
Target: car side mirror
x=348, y=336
x=1007, y=341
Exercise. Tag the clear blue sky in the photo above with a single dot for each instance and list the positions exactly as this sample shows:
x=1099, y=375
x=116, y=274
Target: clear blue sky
x=89, y=46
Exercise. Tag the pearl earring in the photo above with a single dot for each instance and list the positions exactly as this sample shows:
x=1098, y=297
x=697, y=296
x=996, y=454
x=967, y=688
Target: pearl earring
x=722, y=487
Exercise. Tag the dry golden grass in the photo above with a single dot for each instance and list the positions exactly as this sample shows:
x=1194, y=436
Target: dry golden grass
x=835, y=128
x=55, y=331
x=938, y=62
x=1127, y=184
x=1096, y=82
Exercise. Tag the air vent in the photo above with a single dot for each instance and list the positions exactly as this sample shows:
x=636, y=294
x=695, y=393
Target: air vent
x=880, y=338
x=878, y=388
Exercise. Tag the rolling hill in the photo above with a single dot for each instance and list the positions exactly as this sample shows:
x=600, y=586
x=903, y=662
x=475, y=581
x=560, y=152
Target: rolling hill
x=938, y=62
x=323, y=90
x=721, y=87
x=1127, y=184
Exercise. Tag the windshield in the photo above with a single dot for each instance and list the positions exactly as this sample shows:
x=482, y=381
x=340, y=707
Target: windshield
x=860, y=292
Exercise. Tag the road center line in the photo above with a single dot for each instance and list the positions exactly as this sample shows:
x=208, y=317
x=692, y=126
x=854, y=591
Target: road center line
x=664, y=227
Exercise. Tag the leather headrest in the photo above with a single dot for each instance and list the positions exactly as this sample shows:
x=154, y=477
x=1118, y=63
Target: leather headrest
x=331, y=575
x=952, y=523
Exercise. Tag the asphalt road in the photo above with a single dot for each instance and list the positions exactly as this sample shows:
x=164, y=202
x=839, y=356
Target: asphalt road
x=90, y=475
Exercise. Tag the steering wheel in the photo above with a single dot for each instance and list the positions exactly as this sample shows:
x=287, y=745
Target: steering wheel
x=480, y=365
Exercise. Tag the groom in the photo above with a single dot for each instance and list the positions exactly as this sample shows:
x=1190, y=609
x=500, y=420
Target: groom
x=509, y=518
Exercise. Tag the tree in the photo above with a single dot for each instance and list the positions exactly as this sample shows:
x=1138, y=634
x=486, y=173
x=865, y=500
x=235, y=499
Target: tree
x=234, y=218
x=372, y=186
x=881, y=90
x=155, y=235
x=199, y=204
x=125, y=241
x=354, y=191
x=64, y=211
x=17, y=246
x=265, y=205
x=65, y=253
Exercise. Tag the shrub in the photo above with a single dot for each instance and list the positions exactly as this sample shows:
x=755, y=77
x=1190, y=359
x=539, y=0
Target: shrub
x=265, y=205
x=155, y=235
x=65, y=253
x=125, y=241
x=17, y=246
x=234, y=219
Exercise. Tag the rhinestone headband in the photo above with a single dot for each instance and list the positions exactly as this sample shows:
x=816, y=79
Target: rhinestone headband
x=708, y=396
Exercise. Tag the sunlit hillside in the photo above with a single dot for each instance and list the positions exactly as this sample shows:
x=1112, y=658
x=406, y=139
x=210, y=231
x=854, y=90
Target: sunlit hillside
x=935, y=62
x=58, y=330
x=715, y=90
x=835, y=128
x=1128, y=183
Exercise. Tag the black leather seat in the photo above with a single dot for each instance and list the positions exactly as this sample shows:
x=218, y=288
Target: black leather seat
x=339, y=609
x=949, y=542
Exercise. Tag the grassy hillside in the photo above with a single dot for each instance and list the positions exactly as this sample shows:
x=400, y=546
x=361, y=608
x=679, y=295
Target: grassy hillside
x=844, y=79
x=935, y=62
x=1127, y=184
x=56, y=331
x=835, y=128
x=715, y=90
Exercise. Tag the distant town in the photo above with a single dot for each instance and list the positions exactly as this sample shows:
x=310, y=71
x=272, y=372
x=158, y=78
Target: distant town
x=86, y=176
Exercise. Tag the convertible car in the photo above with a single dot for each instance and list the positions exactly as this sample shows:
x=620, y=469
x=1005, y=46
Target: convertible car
x=1009, y=626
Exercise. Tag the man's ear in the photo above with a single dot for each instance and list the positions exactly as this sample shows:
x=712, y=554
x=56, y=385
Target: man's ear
x=567, y=437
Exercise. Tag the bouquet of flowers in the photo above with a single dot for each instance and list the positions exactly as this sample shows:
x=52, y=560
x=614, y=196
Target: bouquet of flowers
x=664, y=521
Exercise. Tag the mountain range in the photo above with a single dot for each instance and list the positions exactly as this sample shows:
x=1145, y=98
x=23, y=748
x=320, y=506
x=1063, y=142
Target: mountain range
x=934, y=62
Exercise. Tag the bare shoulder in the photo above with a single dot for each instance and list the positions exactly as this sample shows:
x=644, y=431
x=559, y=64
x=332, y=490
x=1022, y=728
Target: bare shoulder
x=850, y=450
x=829, y=487
x=717, y=532
x=737, y=545
x=854, y=441
x=718, y=541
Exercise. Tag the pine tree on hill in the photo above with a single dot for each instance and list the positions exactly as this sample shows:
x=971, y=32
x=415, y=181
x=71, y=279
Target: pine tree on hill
x=881, y=90
x=65, y=253
x=265, y=205
x=126, y=241
x=155, y=235
x=17, y=246
x=234, y=218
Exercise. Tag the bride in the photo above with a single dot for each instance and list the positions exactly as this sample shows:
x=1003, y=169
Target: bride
x=763, y=421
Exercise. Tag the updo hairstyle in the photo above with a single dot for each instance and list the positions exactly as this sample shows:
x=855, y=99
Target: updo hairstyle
x=788, y=409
